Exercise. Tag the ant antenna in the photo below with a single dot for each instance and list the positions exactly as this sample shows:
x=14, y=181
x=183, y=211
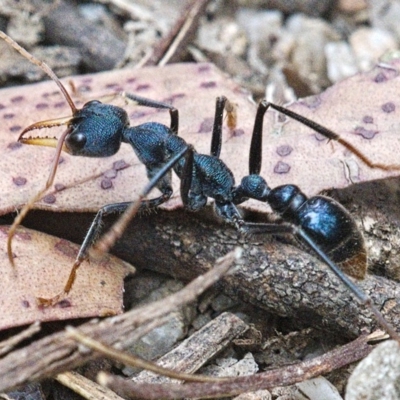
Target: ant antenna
x=42, y=65
x=45, y=68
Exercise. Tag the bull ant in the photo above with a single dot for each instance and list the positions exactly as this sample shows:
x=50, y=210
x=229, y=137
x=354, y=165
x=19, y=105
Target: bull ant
x=97, y=130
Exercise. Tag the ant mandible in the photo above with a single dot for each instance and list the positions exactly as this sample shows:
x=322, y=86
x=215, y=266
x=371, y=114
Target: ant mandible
x=97, y=130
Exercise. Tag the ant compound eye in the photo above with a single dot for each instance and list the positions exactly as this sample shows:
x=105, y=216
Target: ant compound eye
x=75, y=142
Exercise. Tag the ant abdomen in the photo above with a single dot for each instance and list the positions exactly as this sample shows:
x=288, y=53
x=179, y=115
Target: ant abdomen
x=327, y=222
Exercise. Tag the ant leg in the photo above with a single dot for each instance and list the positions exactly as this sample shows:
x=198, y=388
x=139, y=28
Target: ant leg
x=142, y=101
x=164, y=185
x=187, y=176
x=255, y=157
x=216, y=141
x=329, y=134
x=272, y=229
x=131, y=209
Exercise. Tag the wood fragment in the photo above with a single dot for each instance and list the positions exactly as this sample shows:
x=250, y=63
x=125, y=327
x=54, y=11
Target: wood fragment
x=7, y=345
x=199, y=348
x=85, y=387
x=169, y=49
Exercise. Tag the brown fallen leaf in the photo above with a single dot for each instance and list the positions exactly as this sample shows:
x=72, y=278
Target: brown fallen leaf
x=294, y=154
x=365, y=110
x=43, y=265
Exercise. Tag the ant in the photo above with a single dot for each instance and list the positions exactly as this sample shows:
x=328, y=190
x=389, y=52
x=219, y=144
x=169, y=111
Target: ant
x=322, y=223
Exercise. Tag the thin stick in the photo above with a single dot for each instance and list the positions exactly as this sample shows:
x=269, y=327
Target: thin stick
x=34, y=199
x=44, y=67
x=285, y=376
x=7, y=345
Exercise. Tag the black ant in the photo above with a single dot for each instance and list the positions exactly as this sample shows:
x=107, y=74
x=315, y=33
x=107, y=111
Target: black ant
x=97, y=130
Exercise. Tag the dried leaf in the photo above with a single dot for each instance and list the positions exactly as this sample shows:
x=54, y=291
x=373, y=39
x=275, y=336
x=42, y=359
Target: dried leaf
x=355, y=108
x=42, y=267
x=363, y=109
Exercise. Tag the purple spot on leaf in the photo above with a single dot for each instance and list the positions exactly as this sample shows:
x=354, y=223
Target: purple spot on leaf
x=49, y=198
x=17, y=99
x=23, y=235
x=388, y=107
x=237, y=132
x=9, y=116
x=281, y=168
x=208, y=85
x=365, y=133
x=144, y=86
x=15, y=128
x=203, y=68
x=178, y=96
x=120, y=164
x=41, y=106
x=137, y=114
x=111, y=85
x=367, y=119
x=2, y=106
x=65, y=303
x=284, y=150
x=84, y=88
x=19, y=181
x=106, y=184
x=110, y=174
x=59, y=187
x=59, y=104
x=320, y=137
x=25, y=304
x=380, y=77
x=14, y=145
x=206, y=126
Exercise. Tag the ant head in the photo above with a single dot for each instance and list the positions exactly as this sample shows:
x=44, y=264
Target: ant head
x=95, y=130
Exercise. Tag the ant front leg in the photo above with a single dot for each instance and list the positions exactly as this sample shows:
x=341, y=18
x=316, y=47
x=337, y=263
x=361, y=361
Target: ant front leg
x=130, y=209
